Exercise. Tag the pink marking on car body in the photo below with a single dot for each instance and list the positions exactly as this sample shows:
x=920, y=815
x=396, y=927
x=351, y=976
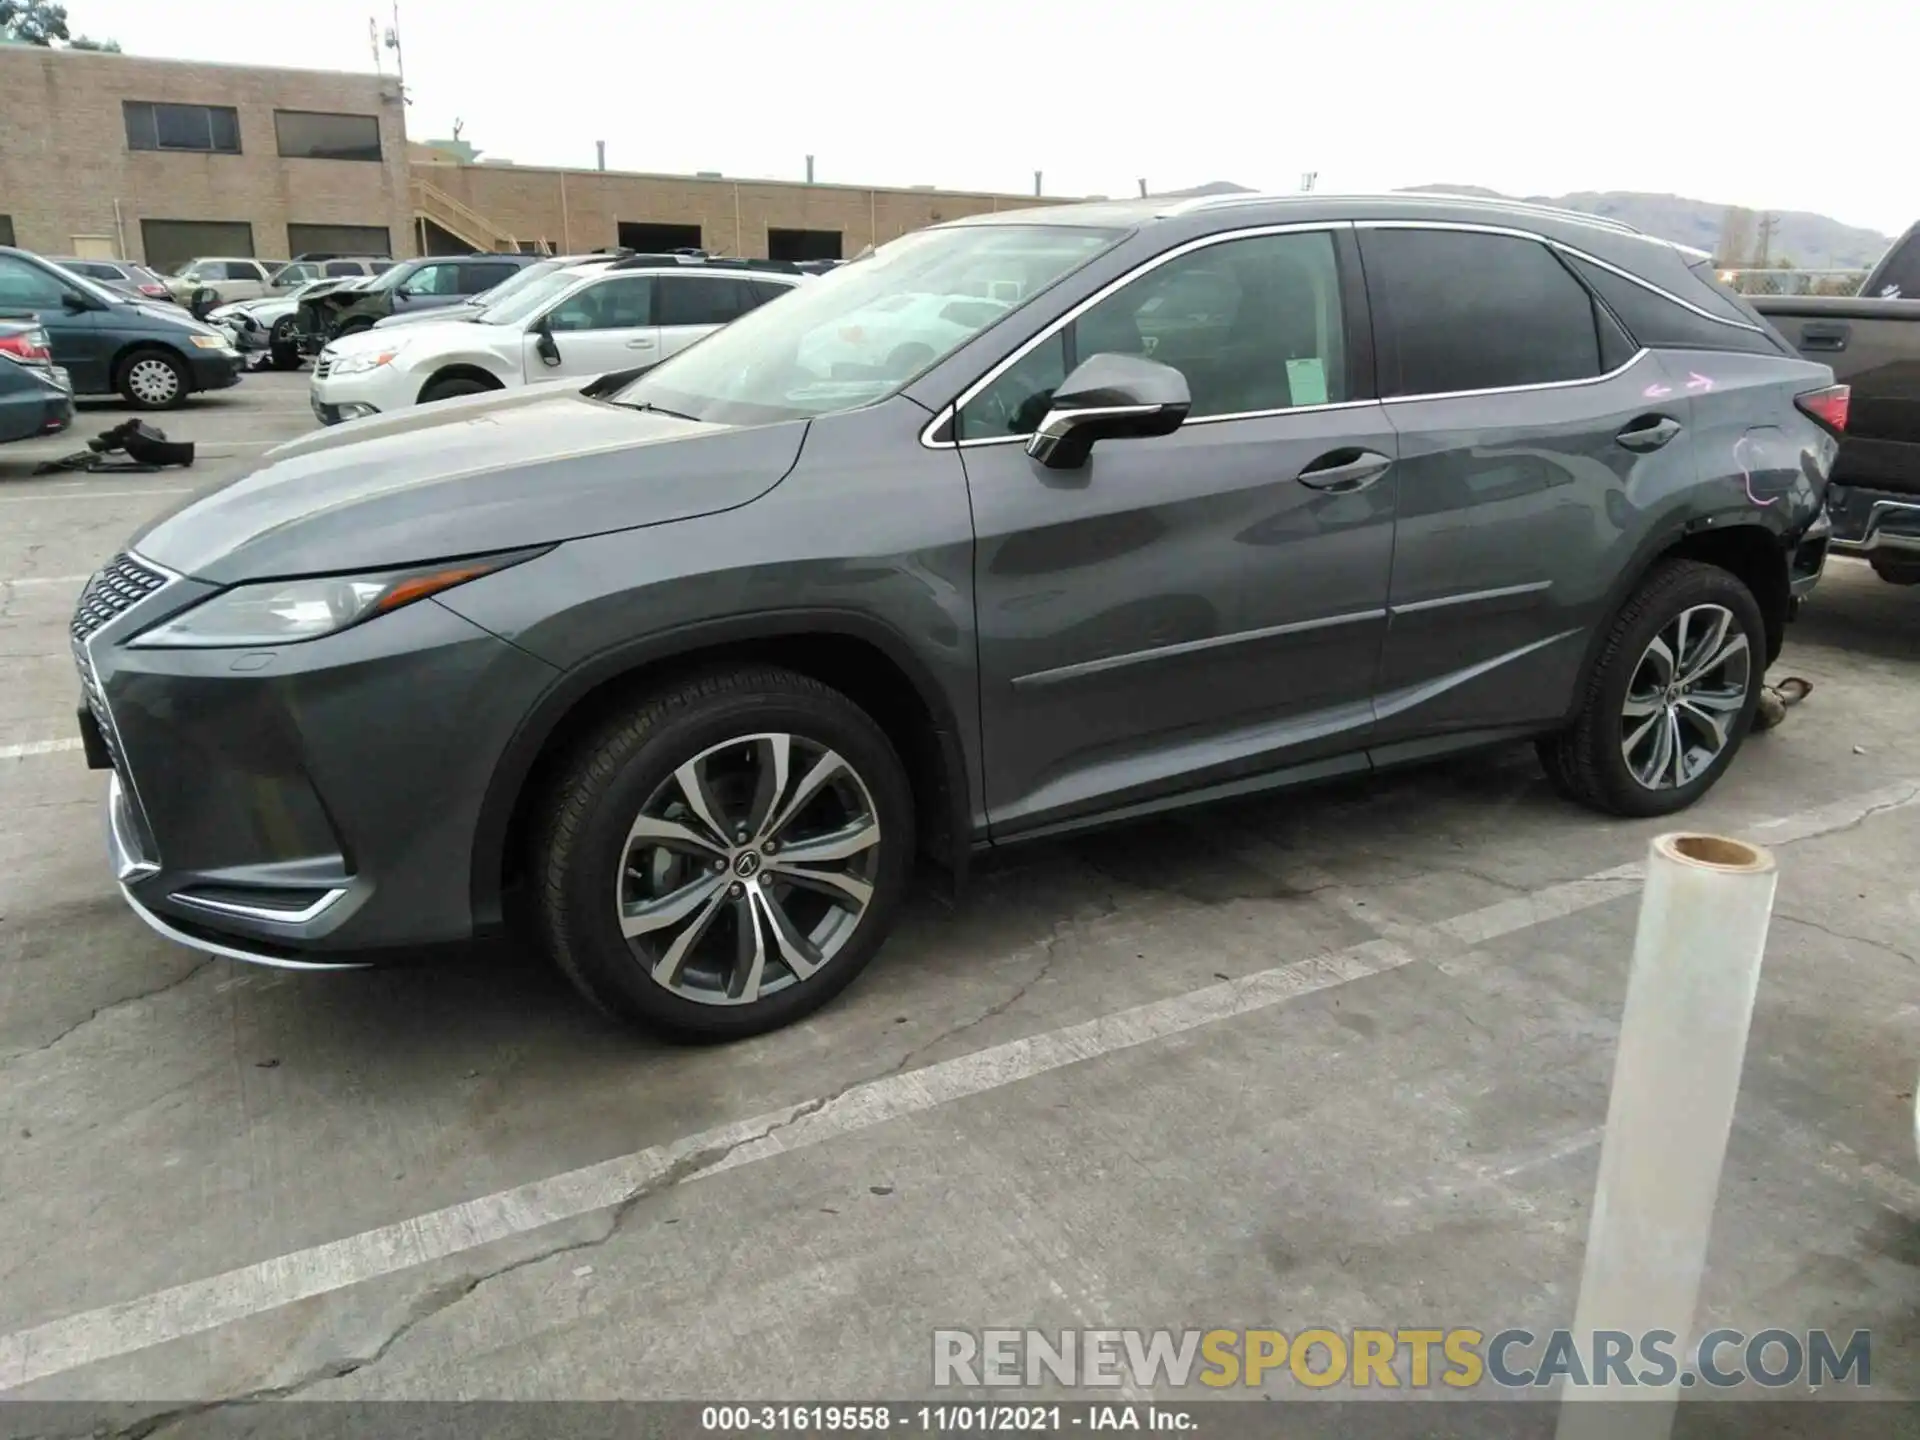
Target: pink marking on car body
x=1746, y=476
x=1656, y=390
x=1697, y=381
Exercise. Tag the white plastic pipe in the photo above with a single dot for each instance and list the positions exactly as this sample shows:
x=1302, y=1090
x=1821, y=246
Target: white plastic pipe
x=1676, y=1074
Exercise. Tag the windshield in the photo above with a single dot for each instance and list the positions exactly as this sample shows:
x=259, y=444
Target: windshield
x=531, y=297
x=398, y=275
x=516, y=283
x=860, y=332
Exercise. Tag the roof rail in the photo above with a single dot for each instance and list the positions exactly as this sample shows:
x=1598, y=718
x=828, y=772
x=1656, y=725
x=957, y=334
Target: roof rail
x=718, y=262
x=1217, y=202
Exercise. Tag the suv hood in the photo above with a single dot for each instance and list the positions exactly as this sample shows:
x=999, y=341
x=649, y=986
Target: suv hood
x=464, y=477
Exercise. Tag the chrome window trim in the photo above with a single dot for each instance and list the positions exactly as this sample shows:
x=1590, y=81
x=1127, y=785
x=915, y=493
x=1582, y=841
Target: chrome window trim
x=1186, y=425
x=1060, y=322
x=1613, y=374
x=1564, y=249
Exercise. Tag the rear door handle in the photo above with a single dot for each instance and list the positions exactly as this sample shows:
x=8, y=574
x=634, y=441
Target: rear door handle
x=1649, y=432
x=639, y=344
x=1824, y=337
x=1341, y=472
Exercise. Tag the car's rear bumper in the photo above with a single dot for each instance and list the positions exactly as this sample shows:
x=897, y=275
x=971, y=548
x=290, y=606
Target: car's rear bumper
x=1869, y=522
x=309, y=805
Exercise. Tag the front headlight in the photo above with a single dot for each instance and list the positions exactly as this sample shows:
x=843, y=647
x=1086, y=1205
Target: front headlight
x=209, y=342
x=283, y=612
x=364, y=361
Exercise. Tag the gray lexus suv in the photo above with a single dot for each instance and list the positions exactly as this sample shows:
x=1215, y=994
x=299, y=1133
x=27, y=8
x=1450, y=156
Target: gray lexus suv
x=1020, y=524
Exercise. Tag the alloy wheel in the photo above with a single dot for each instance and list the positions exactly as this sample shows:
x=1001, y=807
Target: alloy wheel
x=1685, y=696
x=153, y=381
x=749, y=869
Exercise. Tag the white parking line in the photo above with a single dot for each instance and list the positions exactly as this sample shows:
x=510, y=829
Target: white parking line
x=66, y=1344
x=82, y=493
x=37, y=747
x=43, y=580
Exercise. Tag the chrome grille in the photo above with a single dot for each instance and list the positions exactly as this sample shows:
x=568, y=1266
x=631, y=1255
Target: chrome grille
x=121, y=584
x=97, y=703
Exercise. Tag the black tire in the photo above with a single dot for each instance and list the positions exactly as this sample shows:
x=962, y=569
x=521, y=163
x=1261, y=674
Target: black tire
x=138, y=379
x=1585, y=762
x=1896, y=569
x=452, y=389
x=283, y=343
x=580, y=839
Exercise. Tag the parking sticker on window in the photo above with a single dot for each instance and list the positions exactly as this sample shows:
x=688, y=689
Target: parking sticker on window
x=1307, y=380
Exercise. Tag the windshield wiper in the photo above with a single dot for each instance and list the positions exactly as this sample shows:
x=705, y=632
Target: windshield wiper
x=662, y=410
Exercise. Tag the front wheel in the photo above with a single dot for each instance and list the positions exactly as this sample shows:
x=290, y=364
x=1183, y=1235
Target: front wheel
x=726, y=857
x=152, y=380
x=1671, y=697
x=283, y=343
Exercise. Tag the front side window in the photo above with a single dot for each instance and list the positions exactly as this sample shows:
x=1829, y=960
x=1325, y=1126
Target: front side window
x=344, y=267
x=483, y=276
x=243, y=270
x=624, y=302
x=309, y=135
x=857, y=335
x=206, y=128
x=434, y=280
x=1461, y=310
x=1254, y=325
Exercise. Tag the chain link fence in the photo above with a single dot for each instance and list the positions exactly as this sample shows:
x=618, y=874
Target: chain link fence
x=1793, y=282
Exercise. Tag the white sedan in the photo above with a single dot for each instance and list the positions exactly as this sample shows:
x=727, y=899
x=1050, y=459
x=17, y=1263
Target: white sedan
x=572, y=324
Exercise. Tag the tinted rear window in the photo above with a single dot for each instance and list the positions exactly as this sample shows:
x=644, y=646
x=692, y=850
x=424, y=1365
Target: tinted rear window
x=1457, y=310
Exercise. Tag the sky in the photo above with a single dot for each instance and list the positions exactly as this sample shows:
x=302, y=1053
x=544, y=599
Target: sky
x=1770, y=106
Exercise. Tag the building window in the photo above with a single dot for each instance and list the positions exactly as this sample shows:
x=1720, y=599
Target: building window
x=212, y=129
x=170, y=244
x=803, y=244
x=326, y=241
x=310, y=135
x=6, y=230
x=656, y=239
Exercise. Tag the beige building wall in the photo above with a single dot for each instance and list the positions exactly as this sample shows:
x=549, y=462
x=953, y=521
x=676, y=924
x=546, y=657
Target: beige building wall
x=579, y=210
x=64, y=158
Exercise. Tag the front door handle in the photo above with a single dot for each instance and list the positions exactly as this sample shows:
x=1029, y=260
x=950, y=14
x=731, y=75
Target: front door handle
x=1342, y=472
x=1649, y=432
x=639, y=344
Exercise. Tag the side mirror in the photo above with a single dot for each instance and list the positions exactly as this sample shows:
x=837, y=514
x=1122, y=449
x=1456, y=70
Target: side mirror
x=543, y=345
x=73, y=300
x=401, y=292
x=1109, y=397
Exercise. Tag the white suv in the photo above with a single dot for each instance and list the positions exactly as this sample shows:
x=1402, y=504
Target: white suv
x=572, y=324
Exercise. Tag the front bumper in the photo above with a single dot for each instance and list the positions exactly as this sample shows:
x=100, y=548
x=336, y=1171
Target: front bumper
x=308, y=805
x=1868, y=522
x=213, y=369
x=336, y=398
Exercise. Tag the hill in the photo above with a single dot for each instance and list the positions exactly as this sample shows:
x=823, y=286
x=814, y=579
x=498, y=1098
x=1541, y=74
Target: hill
x=1814, y=242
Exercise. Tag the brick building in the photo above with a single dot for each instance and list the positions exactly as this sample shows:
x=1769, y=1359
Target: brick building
x=163, y=160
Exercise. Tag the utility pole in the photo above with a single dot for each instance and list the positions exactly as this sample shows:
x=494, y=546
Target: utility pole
x=1036, y=183
x=1143, y=189
x=809, y=169
x=373, y=39
x=393, y=44
x=600, y=150
x=1306, y=180
x=1767, y=223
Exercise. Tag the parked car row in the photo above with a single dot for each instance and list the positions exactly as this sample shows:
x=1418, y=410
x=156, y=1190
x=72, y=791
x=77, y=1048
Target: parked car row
x=1154, y=502
x=153, y=355
x=552, y=322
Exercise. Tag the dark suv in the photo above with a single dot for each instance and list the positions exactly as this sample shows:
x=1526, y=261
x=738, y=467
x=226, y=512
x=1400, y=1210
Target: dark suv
x=1020, y=524
x=429, y=283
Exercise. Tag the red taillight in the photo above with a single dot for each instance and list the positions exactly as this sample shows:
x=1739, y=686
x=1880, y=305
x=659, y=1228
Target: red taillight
x=29, y=346
x=156, y=290
x=1828, y=407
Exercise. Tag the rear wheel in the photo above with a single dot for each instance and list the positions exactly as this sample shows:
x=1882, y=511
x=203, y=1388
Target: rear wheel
x=1671, y=697
x=726, y=857
x=1896, y=569
x=152, y=380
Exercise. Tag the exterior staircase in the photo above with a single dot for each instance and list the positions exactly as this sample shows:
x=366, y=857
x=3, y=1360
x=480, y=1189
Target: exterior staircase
x=462, y=221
